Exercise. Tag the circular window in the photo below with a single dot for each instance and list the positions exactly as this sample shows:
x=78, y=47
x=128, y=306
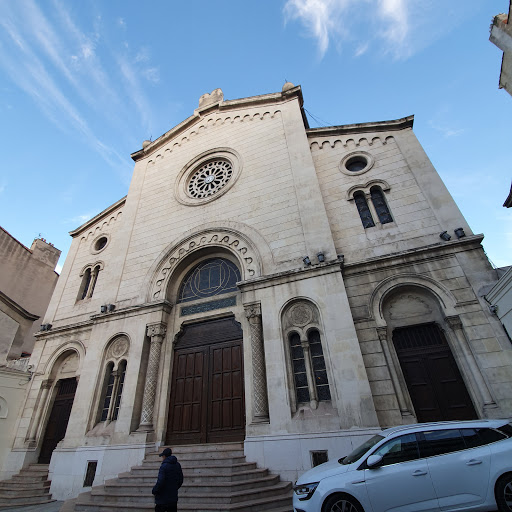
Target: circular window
x=210, y=178
x=356, y=163
x=99, y=244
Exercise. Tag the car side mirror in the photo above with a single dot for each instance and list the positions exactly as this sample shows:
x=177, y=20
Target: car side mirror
x=373, y=461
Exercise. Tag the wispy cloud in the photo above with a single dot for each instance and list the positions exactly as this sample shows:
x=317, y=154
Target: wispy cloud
x=395, y=27
x=446, y=131
x=67, y=70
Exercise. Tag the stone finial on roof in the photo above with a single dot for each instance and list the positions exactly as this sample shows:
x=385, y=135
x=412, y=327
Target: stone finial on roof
x=287, y=86
x=216, y=96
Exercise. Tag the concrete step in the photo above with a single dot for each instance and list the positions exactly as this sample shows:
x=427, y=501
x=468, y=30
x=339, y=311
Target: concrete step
x=18, y=501
x=217, y=478
x=6, y=493
x=118, y=486
x=9, y=485
x=102, y=494
x=193, y=462
x=191, y=477
x=273, y=504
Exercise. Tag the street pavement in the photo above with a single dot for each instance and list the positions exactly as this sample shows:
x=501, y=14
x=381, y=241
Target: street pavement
x=47, y=507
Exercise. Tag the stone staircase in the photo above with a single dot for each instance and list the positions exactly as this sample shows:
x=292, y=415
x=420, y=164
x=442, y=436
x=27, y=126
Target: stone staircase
x=217, y=478
x=29, y=487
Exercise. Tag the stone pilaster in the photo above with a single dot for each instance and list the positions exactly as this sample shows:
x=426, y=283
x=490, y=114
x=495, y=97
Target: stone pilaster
x=43, y=397
x=156, y=333
x=259, y=372
x=382, y=332
x=455, y=324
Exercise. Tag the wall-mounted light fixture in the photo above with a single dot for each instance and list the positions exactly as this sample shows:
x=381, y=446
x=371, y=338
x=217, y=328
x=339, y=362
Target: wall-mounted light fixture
x=306, y=261
x=103, y=309
x=321, y=257
x=445, y=236
x=459, y=232
x=111, y=307
x=45, y=327
x=493, y=309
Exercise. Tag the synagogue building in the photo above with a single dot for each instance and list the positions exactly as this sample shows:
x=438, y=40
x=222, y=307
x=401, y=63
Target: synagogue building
x=290, y=288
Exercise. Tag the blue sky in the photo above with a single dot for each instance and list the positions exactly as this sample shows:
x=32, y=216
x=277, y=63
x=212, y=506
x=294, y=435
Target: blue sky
x=83, y=83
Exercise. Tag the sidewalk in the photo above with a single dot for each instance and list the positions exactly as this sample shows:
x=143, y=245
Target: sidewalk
x=49, y=507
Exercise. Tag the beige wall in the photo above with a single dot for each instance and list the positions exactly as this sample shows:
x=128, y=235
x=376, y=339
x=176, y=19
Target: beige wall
x=27, y=281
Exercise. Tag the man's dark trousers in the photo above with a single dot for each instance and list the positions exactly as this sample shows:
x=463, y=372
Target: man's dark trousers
x=170, y=507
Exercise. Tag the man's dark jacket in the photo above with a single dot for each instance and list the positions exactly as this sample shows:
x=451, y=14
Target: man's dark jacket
x=170, y=478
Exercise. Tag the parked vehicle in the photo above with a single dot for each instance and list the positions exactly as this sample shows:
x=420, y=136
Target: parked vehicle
x=448, y=466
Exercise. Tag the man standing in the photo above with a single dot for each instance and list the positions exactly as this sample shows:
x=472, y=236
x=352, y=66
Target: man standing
x=170, y=478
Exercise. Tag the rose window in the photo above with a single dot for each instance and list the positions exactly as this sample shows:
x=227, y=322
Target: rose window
x=210, y=178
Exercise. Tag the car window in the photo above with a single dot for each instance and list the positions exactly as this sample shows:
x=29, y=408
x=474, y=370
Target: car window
x=399, y=449
x=480, y=436
x=360, y=450
x=506, y=429
x=439, y=442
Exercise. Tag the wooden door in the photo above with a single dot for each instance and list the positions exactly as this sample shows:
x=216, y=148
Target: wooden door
x=434, y=381
x=58, y=420
x=207, y=390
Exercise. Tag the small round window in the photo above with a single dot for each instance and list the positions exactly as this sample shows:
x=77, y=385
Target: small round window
x=99, y=244
x=356, y=163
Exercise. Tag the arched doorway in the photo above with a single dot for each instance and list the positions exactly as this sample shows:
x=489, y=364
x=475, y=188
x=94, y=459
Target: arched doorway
x=433, y=379
x=64, y=375
x=59, y=418
x=207, y=384
x=418, y=336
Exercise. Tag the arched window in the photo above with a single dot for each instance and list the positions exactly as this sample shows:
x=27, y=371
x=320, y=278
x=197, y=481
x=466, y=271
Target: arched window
x=364, y=211
x=308, y=366
x=380, y=205
x=89, y=279
x=212, y=277
x=114, y=382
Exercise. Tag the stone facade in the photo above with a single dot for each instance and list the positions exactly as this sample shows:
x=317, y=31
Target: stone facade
x=27, y=281
x=501, y=36
x=334, y=236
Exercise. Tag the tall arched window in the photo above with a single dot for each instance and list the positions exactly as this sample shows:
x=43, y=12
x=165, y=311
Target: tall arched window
x=380, y=205
x=114, y=382
x=308, y=366
x=89, y=279
x=215, y=276
x=364, y=211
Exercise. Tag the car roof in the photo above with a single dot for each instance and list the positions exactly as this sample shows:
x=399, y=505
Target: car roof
x=439, y=425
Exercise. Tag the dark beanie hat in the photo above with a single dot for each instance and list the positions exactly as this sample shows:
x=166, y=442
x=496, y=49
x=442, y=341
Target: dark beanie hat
x=166, y=453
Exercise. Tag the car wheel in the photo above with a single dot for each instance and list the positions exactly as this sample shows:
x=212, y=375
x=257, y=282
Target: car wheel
x=504, y=493
x=342, y=503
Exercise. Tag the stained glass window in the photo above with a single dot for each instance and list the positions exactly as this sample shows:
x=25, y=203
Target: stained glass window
x=319, y=371
x=364, y=211
x=211, y=277
x=380, y=205
x=299, y=369
x=108, y=393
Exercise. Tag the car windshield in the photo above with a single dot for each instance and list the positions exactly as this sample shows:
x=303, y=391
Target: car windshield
x=360, y=450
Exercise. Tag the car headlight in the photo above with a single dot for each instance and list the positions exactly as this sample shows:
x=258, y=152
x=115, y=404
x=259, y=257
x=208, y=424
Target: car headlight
x=305, y=491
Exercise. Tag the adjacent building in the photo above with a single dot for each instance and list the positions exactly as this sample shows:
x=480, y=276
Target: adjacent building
x=501, y=36
x=289, y=287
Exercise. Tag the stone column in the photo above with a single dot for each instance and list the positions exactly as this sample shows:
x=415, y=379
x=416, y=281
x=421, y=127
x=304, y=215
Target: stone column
x=259, y=372
x=382, y=332
x=156, y=332
x=43, y=397
x=455, y=324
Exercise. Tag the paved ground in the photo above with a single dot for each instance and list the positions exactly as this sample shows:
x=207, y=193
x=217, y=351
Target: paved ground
x=49, y=507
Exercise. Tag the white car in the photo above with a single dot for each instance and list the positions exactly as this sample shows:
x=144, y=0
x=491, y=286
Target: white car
x=452, y=465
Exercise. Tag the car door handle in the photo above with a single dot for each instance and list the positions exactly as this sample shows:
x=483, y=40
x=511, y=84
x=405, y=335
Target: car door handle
x=418, y=472
x=473, y=462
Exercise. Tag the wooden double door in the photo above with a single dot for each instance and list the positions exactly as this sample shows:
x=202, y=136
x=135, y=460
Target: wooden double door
x=433, y=379
x=207, y=387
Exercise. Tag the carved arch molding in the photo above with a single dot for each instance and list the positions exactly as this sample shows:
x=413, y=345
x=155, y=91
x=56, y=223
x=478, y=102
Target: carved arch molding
x=231, y=240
